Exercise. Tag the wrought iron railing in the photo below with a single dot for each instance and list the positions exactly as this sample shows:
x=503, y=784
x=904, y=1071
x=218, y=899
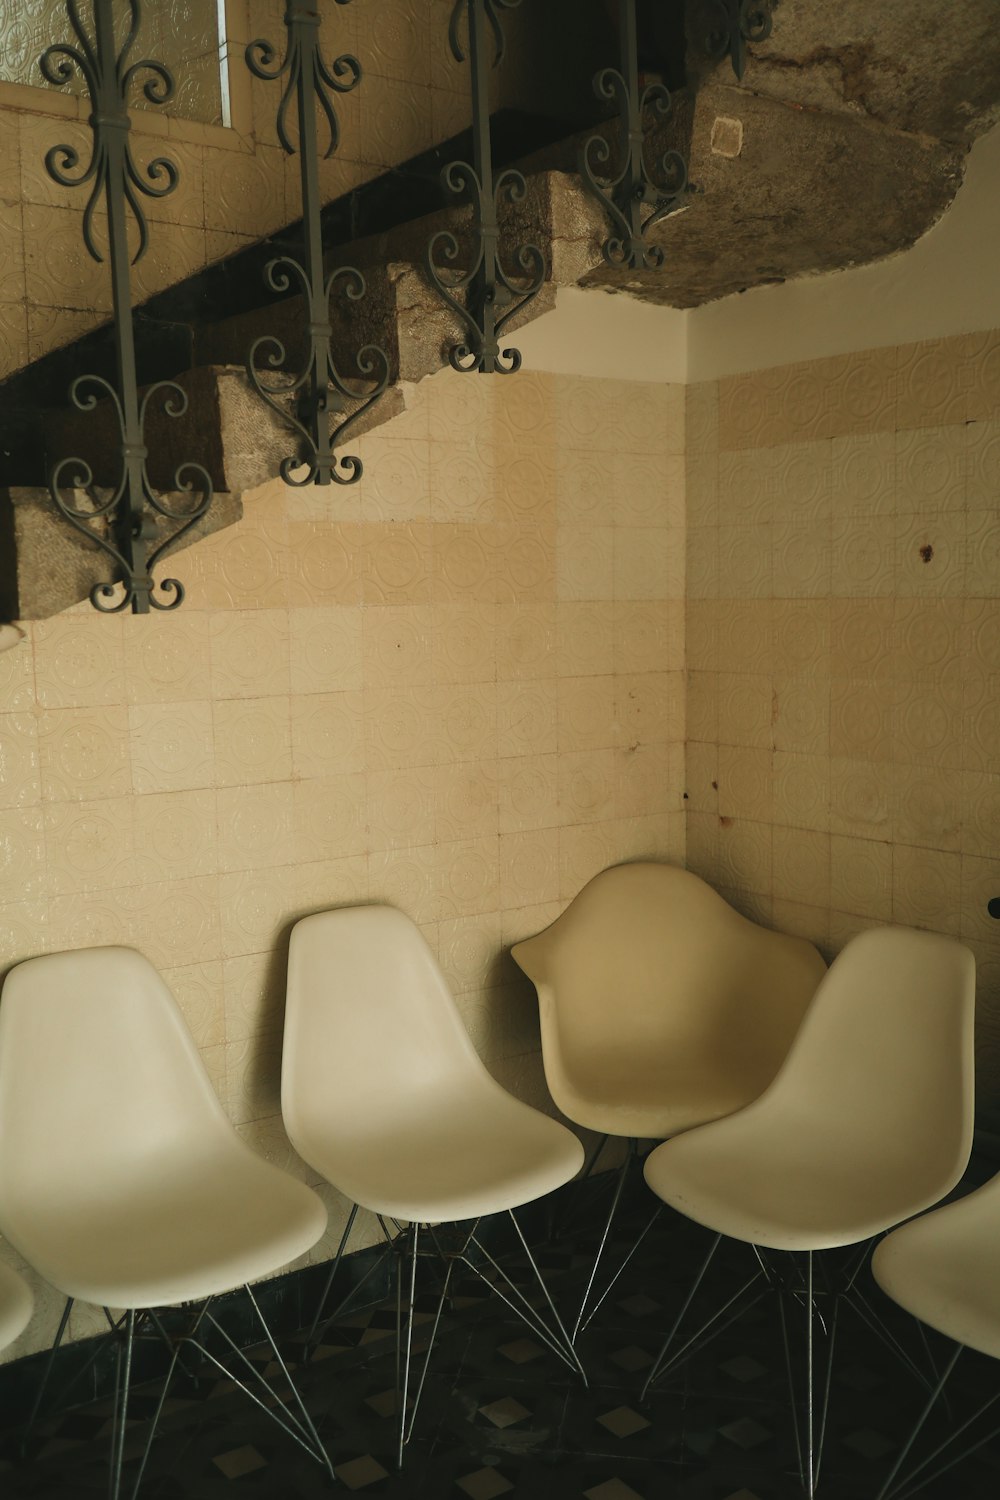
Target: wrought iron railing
x=634, y=197
x=484, y=294
x=126, y=518
x=317, y=401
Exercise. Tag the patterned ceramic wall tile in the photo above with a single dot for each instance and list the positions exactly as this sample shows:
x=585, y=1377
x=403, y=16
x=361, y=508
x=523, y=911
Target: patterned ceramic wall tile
x=84, y=753
x=325, y=650
x=167, y=659
x=20, y=775
x=933, y=384
x=398, y=646
x=250, y=653
x=585, y=563
x=528, y=792
x=173, y=747
x=175, y=834
x=327, y=734
x=466, y=800
x=927, y=888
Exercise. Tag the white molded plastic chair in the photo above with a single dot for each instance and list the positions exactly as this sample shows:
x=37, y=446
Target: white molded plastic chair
x=16, y=1305
x=868, y=1122
x=121, y=1179
x=385, y=1096
x=661, y=1007
x=943, y=1268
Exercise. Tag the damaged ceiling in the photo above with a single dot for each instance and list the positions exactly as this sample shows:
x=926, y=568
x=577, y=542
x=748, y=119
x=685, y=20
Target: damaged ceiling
x=845, y=141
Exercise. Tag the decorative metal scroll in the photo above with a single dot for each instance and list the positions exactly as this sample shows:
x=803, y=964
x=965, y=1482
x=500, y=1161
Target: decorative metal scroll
x=122, y=520
x=633, y=198
x=307, y=400
x=737, y=22
x=483, y=294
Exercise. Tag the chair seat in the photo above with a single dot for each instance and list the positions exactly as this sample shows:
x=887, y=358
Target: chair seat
x=186, y=1230
x=458, y=1156
x=770, y=1180
x=651, y=1097
x=15, y=1305
x=943, y=1269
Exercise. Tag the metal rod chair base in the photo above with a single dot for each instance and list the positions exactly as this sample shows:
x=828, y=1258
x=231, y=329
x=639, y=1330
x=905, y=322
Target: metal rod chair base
x=916, y=1479
x=290, y=1414
x=551, y=1332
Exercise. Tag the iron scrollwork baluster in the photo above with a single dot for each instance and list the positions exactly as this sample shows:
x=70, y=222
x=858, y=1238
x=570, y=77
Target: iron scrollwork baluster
x=632, y=199
x=485, y=296
x=122, y=523
x=303, y=400
x=739, y=22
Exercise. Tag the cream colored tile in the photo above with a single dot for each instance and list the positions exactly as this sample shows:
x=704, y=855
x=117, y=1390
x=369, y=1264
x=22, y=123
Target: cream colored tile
x=862, y=718
x=253, y=990
x=20, y=774
x=703, y=707
x=745, y=709
x=980, y=883
x=649, y=637
x=931, y=388
x=253, y=740
x=801, y=791
x=799, y=920
x=525, y=490
x=527, y=642
x=399, y=564
x=327, y=734
x=529, y=867
x=982, y=554
x=58, y=272
x=802, y=563
x=25, y=928
x=466, y=800
x=864, y=475
x=253, y=1077
x=861, y=877
x=408, y=878
x=254, y=907
x=745, y=855
x=84, y=753
x=927, y=810
x=524, y=563
x=801, y=866
x=589, y=713
x=90, y=846
x=527, y=716
x=23, y=873
x=468, y=878
x=79, y=662
x=649, y=490
x=585, y=485
x=743, y=634
x=462, y=482
x=326, y=565
x=17, y=678
x=931, y=555
x=649, y=562
x=250, y=653
x=929, y=639
x=927, y=888
x=864, y=558
x=167, y=657
x=174, y=922
x=861, y=797
x=397, y=478
x=528, y=793
x=464, y=642
x=863, y=638
x=587, y=849
x=197, y=988
x=745, y=783
x=172, y=746
x=584, y=563
x=979, y=799
x=257, y=827
x=586, y=634
x=649, y=708
x=586, y=783
x=702, y=779
x=928, y=723
x=402, y=807
x=175, y=835
x=648, y=780
x=329, y=817
x=398, y=645
x=325, y=648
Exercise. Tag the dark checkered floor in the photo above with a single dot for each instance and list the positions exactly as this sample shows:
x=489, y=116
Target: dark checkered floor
x=502, y=1417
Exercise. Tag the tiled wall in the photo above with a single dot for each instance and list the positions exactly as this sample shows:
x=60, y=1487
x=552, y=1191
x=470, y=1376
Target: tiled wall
x=456, y=687
x=843, y=638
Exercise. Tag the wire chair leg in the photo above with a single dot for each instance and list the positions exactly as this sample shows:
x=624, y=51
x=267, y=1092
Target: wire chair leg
x=404, y=1393
x=123, y=1381
x=925, y=1413
x=660, y=1358
x=623, y=1172
x=46, y=1376
x=334, y=1268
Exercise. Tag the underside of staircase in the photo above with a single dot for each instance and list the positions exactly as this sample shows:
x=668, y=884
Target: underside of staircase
x=831, y=152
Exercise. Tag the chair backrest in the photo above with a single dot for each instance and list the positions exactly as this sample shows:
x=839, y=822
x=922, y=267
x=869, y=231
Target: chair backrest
x=887, y=1052
x=649, y=961
x=100, y=1080
x=16, y=1305
x=370, y=1024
